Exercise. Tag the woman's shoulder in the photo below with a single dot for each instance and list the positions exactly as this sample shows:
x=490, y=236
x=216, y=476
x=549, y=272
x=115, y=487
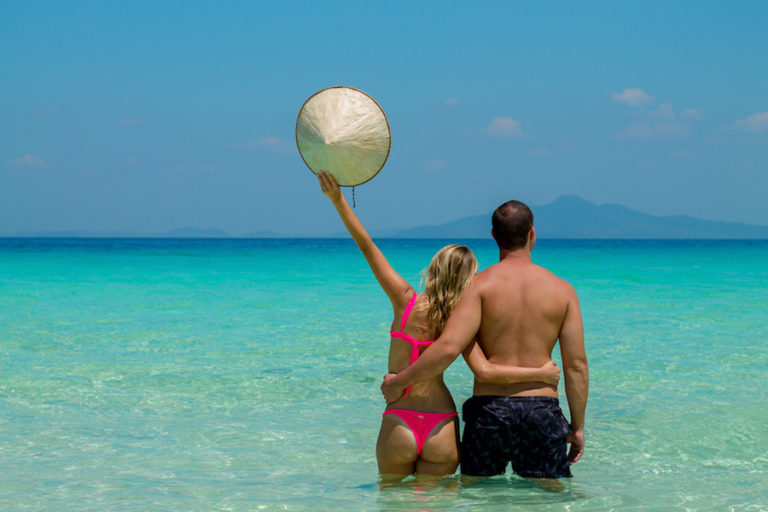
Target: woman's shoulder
x=401, y=300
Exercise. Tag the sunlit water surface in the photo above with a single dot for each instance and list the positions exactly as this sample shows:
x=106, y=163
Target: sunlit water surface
x=244, y=374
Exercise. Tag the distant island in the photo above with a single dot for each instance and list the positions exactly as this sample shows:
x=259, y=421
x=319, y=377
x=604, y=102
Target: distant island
x=566, y=217
x=574, y=217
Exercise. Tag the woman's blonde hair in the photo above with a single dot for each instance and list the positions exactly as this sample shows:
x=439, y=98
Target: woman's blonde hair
x=444, y=280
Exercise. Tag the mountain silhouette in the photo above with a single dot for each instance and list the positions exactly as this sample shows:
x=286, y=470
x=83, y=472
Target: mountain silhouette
x=574, y=217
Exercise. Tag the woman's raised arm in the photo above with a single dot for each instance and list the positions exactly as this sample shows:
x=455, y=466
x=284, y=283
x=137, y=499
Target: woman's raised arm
x=491, y=373
x=397, y=289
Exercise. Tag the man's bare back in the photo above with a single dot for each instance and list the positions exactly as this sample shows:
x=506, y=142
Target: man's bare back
x=523, y=309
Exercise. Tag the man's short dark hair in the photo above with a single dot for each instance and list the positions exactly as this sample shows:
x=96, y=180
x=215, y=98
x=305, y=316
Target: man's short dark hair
x=512, y=222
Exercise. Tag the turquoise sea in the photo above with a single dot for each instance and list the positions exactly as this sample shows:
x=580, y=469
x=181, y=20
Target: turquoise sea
x=243, y=375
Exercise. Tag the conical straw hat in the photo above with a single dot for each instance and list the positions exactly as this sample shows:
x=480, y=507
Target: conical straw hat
x=343, y=131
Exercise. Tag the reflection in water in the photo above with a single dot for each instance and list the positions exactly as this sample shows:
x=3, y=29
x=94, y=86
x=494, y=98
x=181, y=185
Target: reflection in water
x=419, y=494
x=461, y=492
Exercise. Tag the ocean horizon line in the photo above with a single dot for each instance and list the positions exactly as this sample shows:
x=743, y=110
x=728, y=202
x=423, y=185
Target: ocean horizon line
x=287, y=238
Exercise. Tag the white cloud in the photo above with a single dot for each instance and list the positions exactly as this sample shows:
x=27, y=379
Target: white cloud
x=660, y=123
x=28, y=160
x=672, y=130
x=633, y=97
x=660, y=131
x=692, y=113
x=636, y=131
x=451, y=102
x=269, y=142
x=505, y=127
x=434, y=164
x=754, y=123
x=665, y=112
x=132, y=121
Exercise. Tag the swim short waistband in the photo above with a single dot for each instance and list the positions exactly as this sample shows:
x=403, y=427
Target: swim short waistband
x=490, y=398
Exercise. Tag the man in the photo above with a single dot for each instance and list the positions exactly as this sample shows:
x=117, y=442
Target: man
x=517, y=311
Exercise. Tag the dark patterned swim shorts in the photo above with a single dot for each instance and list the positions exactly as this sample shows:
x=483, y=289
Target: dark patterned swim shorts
x=529, y=431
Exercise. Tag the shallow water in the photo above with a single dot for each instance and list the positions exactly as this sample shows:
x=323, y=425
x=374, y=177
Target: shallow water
x=244, y=374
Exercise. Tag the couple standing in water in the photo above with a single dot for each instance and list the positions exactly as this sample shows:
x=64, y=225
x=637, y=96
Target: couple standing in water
x=505, y=321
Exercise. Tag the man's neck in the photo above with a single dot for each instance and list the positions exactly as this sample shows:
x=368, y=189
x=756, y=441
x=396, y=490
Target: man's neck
x=516, y=255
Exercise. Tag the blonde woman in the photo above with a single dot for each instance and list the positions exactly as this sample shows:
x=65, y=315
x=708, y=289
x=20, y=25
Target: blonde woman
x=420, y=430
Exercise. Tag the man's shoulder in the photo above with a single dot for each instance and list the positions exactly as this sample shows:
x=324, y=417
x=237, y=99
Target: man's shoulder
x=555, y=278
x=558, y=282
x=489, y=275
x=493, y=274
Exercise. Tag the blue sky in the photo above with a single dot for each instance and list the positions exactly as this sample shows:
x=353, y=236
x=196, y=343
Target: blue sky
x=148, y=116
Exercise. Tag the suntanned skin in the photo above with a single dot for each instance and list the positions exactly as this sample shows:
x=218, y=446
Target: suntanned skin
x=396, y=449
x=517, y=311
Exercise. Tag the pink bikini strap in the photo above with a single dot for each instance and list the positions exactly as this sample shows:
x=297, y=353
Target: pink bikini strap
x=407, y=311
x=415, y=348
x=414, y=342
x=414, y=356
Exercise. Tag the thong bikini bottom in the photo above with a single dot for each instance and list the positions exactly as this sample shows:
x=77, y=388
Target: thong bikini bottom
x=421, y=423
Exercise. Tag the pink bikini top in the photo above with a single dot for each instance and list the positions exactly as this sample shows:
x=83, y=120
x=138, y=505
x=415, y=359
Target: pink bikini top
x=401, y=335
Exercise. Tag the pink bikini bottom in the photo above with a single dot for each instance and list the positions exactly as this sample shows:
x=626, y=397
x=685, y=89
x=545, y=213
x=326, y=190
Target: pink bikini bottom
x=421, y=423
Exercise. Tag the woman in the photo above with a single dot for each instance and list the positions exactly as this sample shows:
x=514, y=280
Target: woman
x=419, y=431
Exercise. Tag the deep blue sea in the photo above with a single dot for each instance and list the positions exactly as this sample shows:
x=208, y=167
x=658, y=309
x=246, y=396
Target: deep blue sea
x=234, y=375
